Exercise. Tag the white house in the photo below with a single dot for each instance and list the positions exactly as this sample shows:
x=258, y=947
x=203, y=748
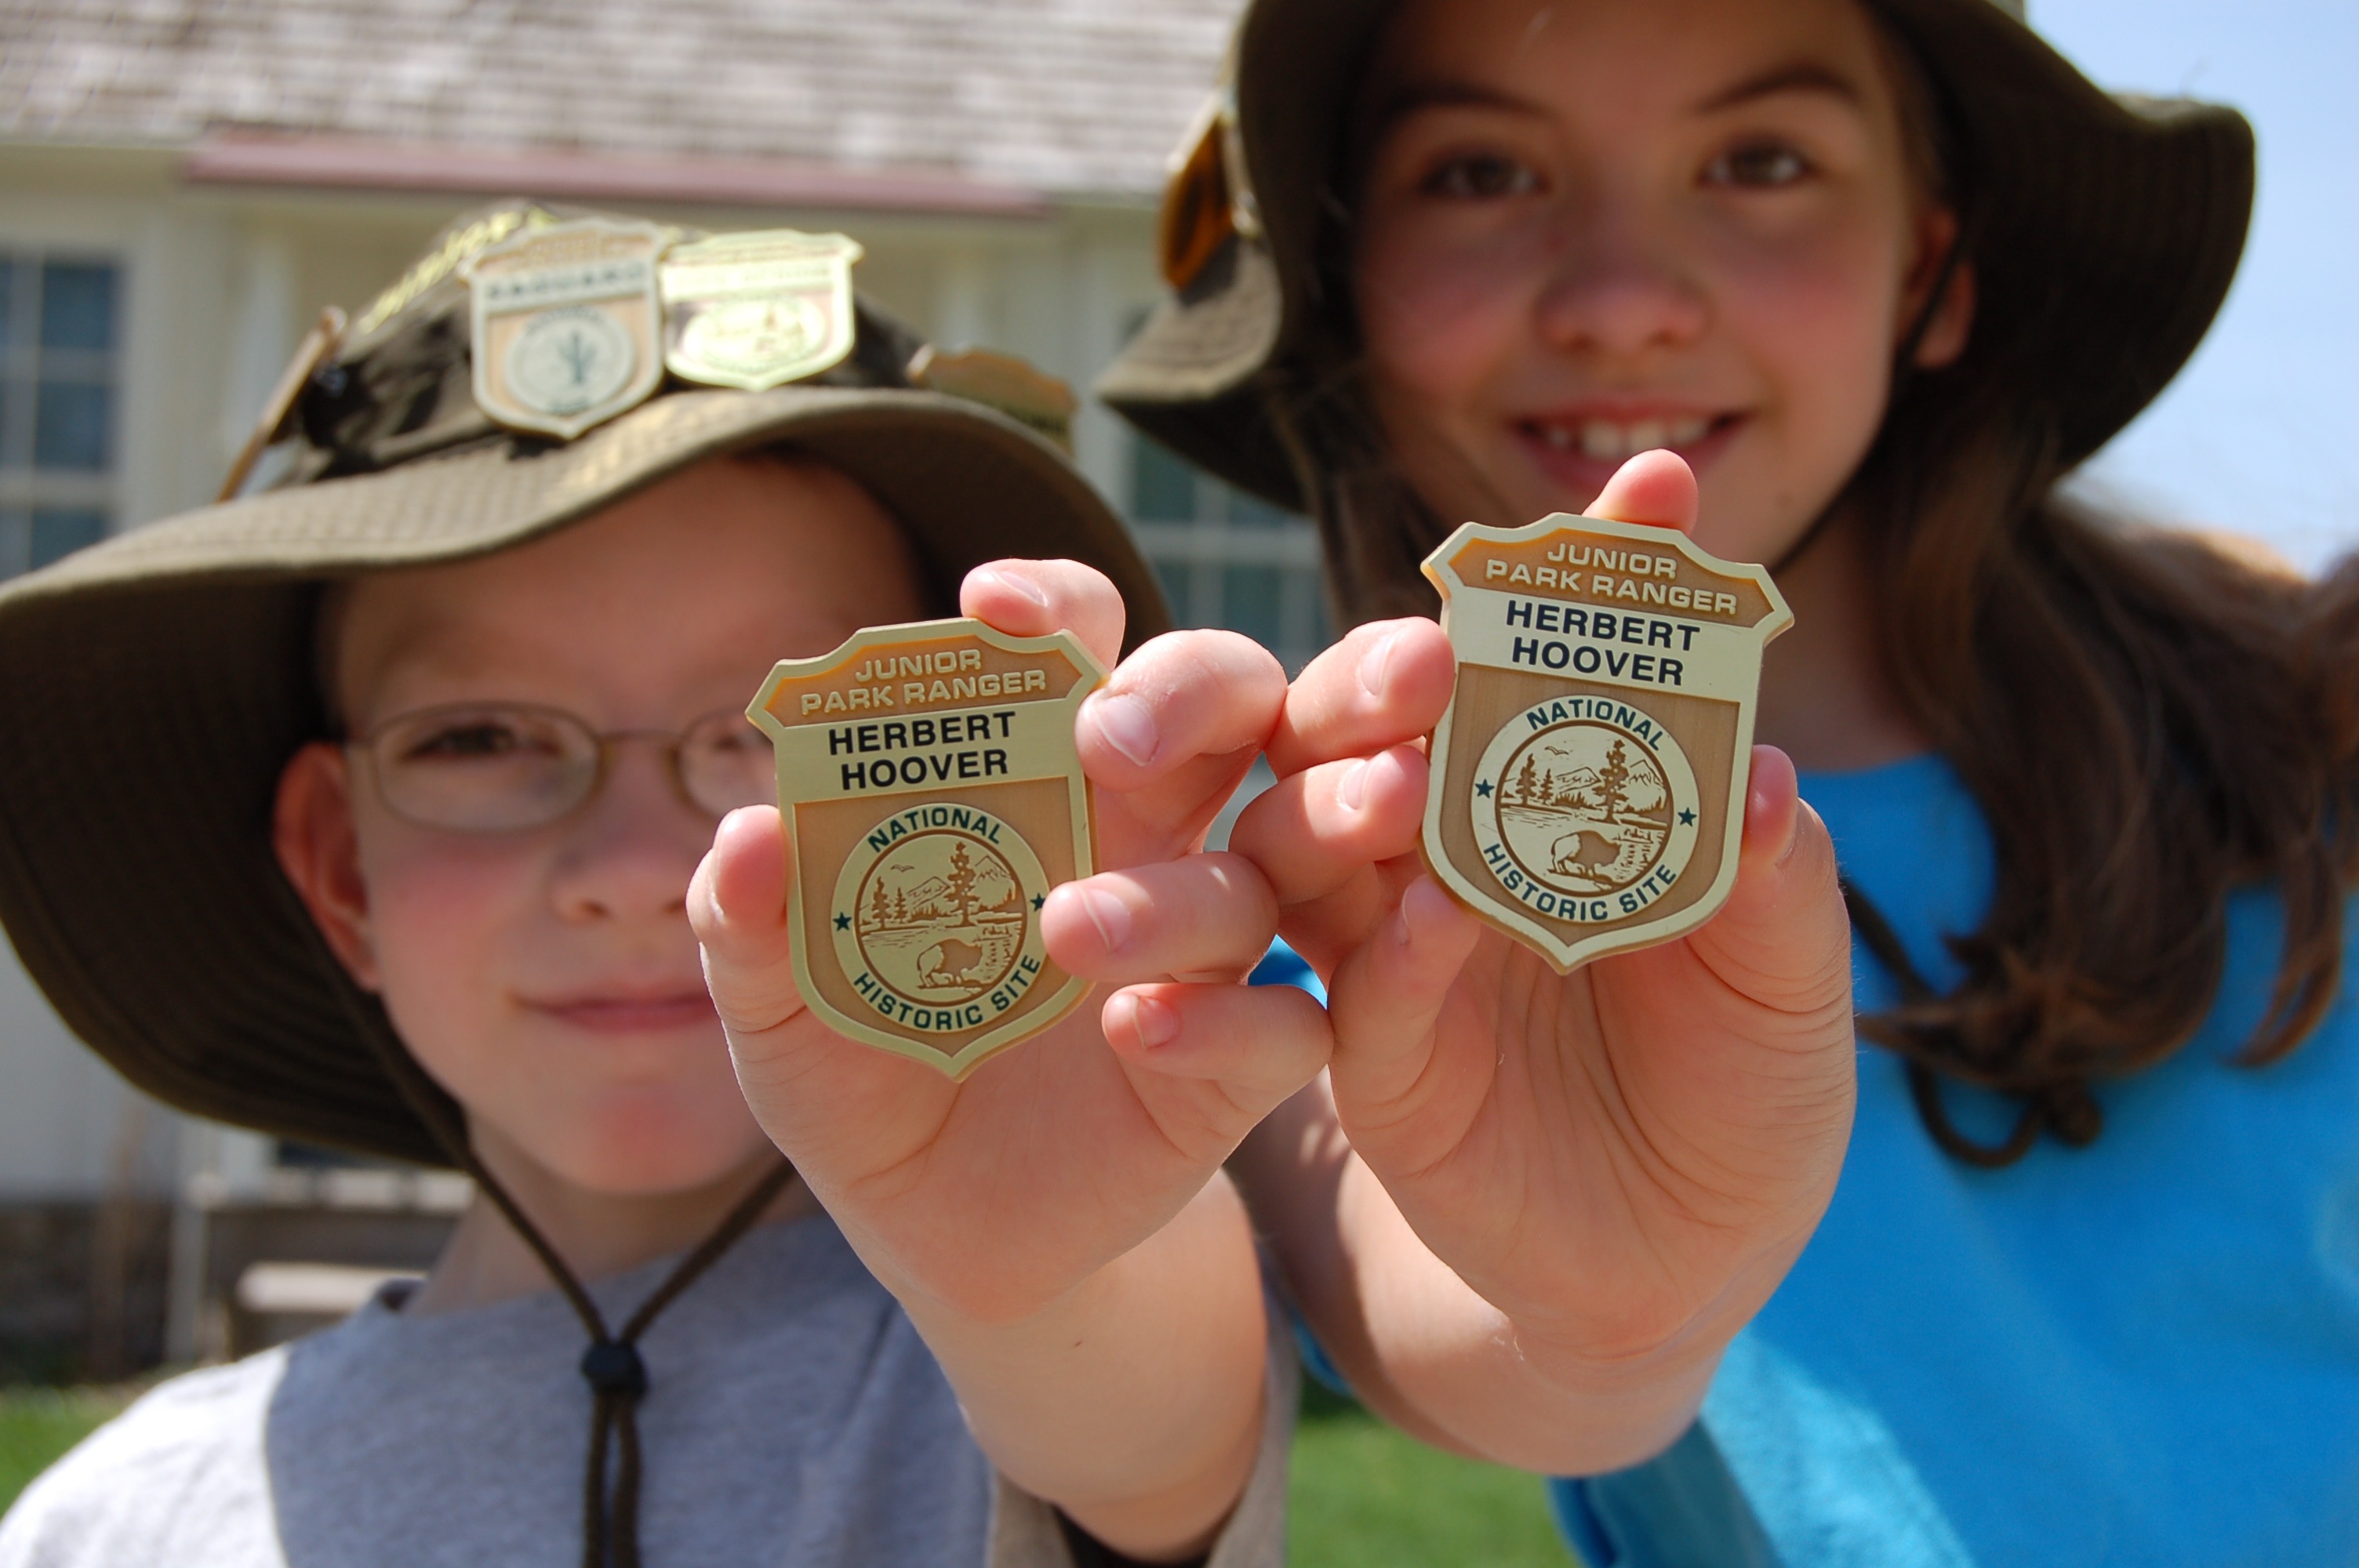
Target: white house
x=185, y=183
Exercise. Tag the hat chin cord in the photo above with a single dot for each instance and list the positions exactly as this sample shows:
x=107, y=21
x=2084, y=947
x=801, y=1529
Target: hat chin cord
x=612, y=1364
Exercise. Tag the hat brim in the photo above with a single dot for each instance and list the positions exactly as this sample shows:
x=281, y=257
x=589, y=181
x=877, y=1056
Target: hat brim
x=154, y=686
x=2106, y=233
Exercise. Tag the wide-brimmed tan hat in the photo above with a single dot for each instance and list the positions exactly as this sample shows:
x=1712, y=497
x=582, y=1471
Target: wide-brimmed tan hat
x=153, y=687
x=2103, y=231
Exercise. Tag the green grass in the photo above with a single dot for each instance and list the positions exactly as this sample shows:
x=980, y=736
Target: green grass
x=1362, y=1497
x=1367, y=1497
x=37, y=1425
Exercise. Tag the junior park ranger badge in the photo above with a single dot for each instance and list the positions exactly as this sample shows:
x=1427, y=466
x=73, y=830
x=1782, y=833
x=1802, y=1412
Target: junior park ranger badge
x=1590, y=774
x=566, y=325
x=932, y=796
x=757, y=310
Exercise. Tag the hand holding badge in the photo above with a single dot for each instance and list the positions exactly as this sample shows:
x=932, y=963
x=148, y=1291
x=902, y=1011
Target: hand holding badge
x=932, y=796
x=1589, y=775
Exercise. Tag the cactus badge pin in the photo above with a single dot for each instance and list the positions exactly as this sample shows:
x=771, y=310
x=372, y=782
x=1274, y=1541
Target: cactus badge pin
x=1590, y=774
x=932, y=796
x=566, y=325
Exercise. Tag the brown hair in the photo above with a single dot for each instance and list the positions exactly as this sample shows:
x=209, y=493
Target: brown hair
x=2147, y=721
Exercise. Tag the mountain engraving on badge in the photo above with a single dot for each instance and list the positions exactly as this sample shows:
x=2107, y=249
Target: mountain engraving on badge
x=932, y=796
x=565, y=324
x=757, y=310
x=1590, y=774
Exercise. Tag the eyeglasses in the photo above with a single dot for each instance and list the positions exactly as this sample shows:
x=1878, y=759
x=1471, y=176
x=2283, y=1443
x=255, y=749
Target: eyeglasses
x=498, y=767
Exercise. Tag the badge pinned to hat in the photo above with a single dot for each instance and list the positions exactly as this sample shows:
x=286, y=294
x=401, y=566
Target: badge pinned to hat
x=566, y=324
x=1590, y=769
x=757, y=310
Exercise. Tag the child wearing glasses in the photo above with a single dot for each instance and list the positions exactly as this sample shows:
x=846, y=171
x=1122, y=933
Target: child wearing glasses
x=364, y=812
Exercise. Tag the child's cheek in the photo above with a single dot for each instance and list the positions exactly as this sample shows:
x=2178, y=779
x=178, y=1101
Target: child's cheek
x=1440, y=310
x=443, y=908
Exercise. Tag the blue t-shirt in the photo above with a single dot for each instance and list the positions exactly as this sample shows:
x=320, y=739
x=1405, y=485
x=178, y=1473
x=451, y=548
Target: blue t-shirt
x=2145, y=1351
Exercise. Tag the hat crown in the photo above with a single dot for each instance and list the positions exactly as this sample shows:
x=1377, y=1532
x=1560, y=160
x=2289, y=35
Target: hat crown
x=442, y=359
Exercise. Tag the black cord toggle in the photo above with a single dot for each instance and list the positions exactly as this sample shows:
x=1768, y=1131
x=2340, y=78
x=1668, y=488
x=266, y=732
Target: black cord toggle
x=615, y=1371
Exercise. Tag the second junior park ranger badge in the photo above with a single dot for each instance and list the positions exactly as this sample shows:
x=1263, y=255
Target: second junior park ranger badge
x=1589, y=776
x=932, y=796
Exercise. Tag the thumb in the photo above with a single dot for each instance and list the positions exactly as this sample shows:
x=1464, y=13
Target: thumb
x=1655, y=488
x=737, y=904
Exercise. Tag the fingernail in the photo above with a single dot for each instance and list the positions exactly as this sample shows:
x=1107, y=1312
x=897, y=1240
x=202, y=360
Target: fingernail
x=1373, y=662
x=1023, y=587
x=1129, y=726
x=1421, y=893
x=1155, y=1023
x=1109, y=914
x=1351, y=789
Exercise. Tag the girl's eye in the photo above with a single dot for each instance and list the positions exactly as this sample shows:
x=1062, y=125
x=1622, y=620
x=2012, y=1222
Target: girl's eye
x=1760, y=166
x=1481, y=176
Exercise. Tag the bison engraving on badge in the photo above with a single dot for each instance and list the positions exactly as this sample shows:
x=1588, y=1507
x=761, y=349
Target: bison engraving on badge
x=949, y=962
x=1583, y=853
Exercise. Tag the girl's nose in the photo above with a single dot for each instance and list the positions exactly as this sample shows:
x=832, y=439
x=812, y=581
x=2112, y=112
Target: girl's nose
x=630, y=852
x=1613, y=290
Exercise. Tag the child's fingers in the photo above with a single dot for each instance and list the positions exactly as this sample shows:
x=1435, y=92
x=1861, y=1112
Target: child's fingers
x=1783, y=939
x=1316, y=830
x=1655, y=487
x=737, y=903
x=1385, y=683
x=1032, y=599
x=1203, y=918
x=1259, y=1044
x=1387, y=996
x=1183, y=696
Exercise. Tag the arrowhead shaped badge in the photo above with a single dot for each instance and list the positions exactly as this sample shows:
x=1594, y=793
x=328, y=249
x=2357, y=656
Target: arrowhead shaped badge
x=1589, y=776
x=932, y=796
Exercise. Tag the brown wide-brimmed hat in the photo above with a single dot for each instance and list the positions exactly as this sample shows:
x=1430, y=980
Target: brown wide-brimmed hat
x=2103, y=231
x=152, y=687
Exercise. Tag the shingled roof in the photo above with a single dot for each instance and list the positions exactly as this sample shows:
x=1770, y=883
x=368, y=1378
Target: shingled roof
x=1070, y=98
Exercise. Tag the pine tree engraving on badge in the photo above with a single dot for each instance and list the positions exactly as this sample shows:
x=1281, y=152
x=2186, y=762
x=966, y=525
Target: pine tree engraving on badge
x=1590, y=773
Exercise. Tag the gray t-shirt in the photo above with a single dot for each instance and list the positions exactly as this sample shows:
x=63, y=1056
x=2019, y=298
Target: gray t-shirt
x=794, y=1418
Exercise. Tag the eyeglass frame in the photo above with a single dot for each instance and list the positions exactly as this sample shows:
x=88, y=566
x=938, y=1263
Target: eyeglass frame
x=606, y=742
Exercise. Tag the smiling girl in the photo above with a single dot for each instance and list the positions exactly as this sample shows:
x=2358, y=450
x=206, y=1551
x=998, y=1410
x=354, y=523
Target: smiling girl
x=1880, y=273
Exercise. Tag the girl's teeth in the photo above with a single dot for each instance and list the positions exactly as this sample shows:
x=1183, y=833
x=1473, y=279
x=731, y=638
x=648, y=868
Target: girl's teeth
x=1604, y=440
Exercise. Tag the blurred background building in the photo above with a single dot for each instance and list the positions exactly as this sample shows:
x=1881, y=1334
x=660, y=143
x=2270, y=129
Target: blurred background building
x=184, y=184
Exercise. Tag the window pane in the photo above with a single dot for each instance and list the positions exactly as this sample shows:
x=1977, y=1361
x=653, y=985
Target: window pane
x=1254, y=512
x=1174, y=576
x=16, y=531
x=77, y=306
x=60, y=532
x=1162, y=488
x=7, y=302
x=1252, y=600
x=71, y=426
